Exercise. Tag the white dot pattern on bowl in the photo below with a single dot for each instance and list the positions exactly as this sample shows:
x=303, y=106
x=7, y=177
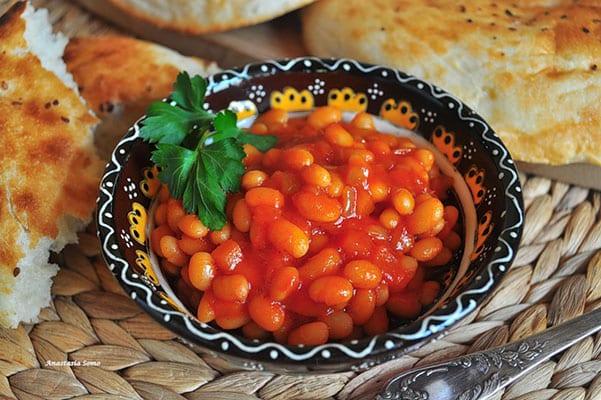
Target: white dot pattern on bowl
x=325, y=351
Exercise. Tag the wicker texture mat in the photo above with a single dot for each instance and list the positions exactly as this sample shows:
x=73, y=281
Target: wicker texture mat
x=122, y=354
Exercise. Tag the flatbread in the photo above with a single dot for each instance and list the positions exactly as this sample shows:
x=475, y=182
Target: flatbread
x=532, y=68
x=49, y=170
x=119, y=76
x=198, y=16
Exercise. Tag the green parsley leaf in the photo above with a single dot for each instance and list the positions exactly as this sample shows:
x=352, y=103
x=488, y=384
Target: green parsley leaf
x=202, y=178
x=166, y=123
x=261, y=142
x=176, y=164
x=200, y=153
x=189, y=93
x=225, y=126
x=226, y=159
x=205, y=197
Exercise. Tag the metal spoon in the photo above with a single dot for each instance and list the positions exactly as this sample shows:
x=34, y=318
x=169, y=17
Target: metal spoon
x=479, y=375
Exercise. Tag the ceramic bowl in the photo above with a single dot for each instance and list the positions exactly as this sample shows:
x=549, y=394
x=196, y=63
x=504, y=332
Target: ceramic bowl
x=300, y=84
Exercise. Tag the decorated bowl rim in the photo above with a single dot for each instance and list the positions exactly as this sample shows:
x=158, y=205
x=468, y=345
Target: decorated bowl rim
x=408, y=336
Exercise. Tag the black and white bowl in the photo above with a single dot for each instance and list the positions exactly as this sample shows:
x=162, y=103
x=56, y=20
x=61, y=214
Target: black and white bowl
x=467, y=143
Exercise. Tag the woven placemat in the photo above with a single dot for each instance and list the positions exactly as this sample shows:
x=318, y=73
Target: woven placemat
x=93, y=342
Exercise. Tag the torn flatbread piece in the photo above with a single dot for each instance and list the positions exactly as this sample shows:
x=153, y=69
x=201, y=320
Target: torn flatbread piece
x=196, y=16
x=532, y=69
x=49, y=170
x=120, y=76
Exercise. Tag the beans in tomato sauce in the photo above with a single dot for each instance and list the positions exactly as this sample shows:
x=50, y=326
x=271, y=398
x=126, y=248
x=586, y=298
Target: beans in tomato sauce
x=327, y=240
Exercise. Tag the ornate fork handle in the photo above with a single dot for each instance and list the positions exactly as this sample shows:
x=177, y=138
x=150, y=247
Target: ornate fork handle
x=479, y=375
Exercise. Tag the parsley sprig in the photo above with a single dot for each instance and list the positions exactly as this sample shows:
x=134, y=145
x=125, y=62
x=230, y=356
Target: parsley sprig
x=200, y=153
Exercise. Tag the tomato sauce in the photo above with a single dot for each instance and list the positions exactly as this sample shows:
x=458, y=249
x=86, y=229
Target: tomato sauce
x=328, y=238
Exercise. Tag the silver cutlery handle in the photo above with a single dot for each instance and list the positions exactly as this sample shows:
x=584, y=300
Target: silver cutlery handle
x=479, y=375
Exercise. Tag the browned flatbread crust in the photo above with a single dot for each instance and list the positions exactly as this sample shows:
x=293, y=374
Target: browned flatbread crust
x=119, y=77
x=118, y=69
x=531, y=68
x=48, y=167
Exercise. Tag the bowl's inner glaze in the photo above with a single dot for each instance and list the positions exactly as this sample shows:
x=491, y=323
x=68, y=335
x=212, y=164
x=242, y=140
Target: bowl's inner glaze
x=299, y=85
